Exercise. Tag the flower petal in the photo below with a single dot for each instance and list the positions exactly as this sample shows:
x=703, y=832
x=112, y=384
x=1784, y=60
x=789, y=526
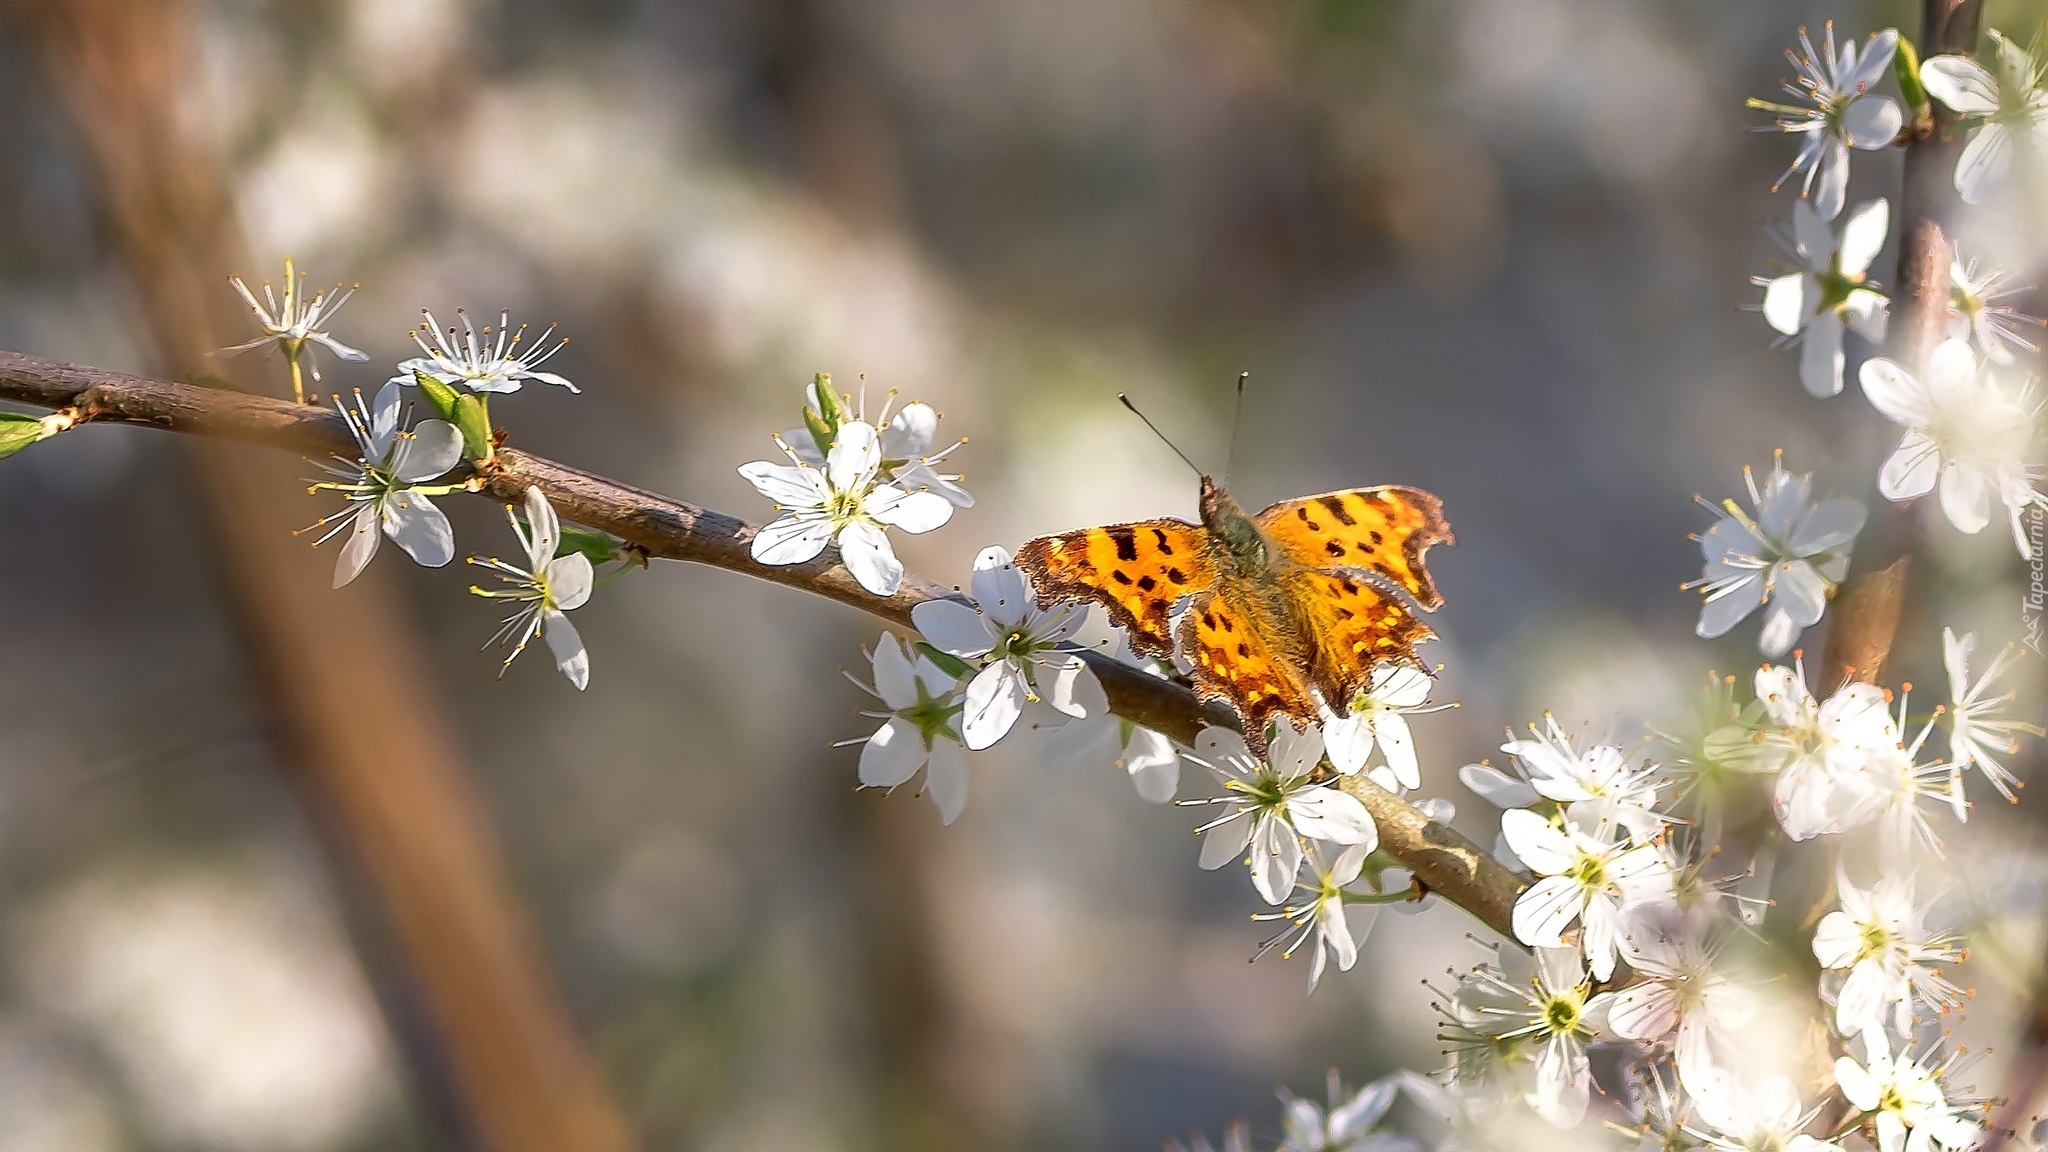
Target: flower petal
x=1153, y=765
x=360, y=547
x=850, y=465
x=414, y=524
x=567, y=645
x=1831, y=524
x=1327, y=814
x=1785, y=306
x=914, y=512
x=1820, y=354
x=570, y=580
x=895, y=683
x=1965, y=497
x=865, y=551
x=1911, y=469
x=953, y=626
x=1896, y=392
x=427, y=452
x=543, y=529
x=1537, y=843
x=945, y=779
x=892, y=755
x=1872, y=122
x=1545, y=911
x=1986, y=159
x=998, y=586
x=909, y=436
x=1961, y=83
x=787, y=485
x=794, y=538
x=1863, y=233
x=1496, y=787
x=995, y=698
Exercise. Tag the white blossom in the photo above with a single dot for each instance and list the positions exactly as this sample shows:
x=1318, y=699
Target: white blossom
x=2011, y=104
x=1901, y=782
x=1683, y=998
x=1595, y=784
x=841, y=503
x=1738, y=1116
x=386, y=489
x=1379, y=715
x=1272, y=804
x=1346, y=1125
x=486, y=361
x=1828, y=294
x=1879, y=937
x=1964, y=431
x=548, y=586
x=295, y=324
x=1493, y=1019
x=1319, y=910
x=1823, y=752
x=1841, y=112
x=1977, y=311
x=1019, y=642
x=921, y=729
x=1585, y=875
x=1789, y=557
x=1978, y=732
x=1904, y=1097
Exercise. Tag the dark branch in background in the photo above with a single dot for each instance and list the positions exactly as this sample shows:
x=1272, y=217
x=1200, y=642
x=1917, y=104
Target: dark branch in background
x=662, y=528
x=1865, y=621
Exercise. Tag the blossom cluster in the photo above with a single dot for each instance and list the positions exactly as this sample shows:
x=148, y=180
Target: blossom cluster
x=1646, y=934
x=400, y=464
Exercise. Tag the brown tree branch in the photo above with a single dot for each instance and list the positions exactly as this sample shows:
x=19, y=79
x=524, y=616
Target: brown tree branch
x=659, y=527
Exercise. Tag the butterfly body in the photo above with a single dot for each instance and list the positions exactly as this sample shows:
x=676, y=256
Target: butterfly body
x=1303, y=599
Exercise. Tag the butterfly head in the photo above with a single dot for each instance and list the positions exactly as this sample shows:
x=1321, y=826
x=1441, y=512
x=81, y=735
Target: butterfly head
x=1226, y=518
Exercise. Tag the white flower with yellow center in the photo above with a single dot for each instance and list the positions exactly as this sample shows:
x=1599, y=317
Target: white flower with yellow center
x=841, y=503
x=548, y=586
x=1828, y=294
x=1904, y=1100
x=1880, y=939
x=1585, y=875
x=295, y=324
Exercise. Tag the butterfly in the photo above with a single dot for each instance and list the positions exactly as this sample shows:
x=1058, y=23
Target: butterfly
x=1307, y=597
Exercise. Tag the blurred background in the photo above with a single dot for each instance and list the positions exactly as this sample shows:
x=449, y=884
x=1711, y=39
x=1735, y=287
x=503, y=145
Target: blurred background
x=1498, y=249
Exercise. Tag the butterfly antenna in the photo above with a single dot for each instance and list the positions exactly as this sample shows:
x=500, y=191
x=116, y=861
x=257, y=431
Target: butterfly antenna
x=1236, y=420
x=1156, y=432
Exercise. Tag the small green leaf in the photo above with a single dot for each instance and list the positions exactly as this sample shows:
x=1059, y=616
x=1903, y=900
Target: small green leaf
x=1906, y=66
x=598, y=546
x=18, y=431
x=440, y=397
x=474, y=422
x=948, y=663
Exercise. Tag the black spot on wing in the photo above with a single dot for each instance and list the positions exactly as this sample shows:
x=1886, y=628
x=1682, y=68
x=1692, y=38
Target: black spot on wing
x=1336, y=506
x=1126, y=542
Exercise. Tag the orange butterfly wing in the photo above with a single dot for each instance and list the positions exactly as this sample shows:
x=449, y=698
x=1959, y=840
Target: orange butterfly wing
x=1136, y=571
x=1385, y=530
x=1356, y=622
x=1243, y=657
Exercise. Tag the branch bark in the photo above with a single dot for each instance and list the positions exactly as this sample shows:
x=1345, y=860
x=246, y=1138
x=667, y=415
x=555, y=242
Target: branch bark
x=1445, y=861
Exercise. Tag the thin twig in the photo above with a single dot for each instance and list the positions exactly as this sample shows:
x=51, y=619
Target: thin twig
x=657, y=526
